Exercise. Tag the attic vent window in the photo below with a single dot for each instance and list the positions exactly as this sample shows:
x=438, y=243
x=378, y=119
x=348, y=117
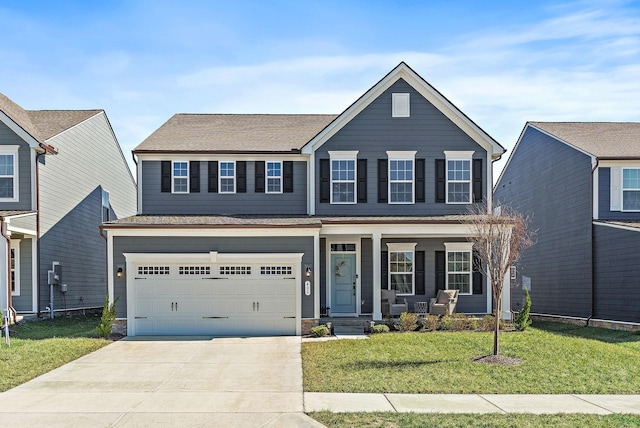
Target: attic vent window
x=400, y=105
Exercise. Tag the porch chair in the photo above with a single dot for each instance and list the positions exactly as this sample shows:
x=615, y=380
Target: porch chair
x=393, y=305
x=444, y=303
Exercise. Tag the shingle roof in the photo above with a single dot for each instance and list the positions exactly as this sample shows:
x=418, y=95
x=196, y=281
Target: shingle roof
x=43, y=124
x=600, y=139
x=235, y=133
x=50, y=123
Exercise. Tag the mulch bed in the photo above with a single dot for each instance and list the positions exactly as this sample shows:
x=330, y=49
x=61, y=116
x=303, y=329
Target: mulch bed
x=498, y=360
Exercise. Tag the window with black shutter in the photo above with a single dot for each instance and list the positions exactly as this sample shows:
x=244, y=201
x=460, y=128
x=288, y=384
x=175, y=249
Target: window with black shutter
x=362, y=181
x=420, y=180
x=441, y=181
x=194, y=176
x=241, y=176
x=478, y=181
x=325, y=181
x=287, y=170
x=441, y=270
x=383, y=186
x=213, y=176
x=165, y=176
x=259, y=177
x=478, y=278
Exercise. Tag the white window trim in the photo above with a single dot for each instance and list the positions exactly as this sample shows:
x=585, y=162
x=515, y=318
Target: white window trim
x=402, y=156
x=266, y=177
x=15, y=246
x=459, y=247
x=12, y=150
x=235, y=173
x=459, y=156
x=622, y=190
x=173, y=177
x=344, y=155
x=400, y=99
x=402, y=247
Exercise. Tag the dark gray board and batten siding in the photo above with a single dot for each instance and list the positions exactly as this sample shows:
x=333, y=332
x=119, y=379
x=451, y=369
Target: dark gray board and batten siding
x=374, y=131
x=196, y=245
x=155, y=202
x=552, y=182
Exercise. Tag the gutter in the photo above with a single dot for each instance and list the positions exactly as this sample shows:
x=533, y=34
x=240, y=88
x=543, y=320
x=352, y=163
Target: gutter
x=3, y=231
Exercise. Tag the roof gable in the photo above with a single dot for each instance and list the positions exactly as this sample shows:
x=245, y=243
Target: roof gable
x=403, y=71
x=235, y=133
x=49, y=123
x=604, y=140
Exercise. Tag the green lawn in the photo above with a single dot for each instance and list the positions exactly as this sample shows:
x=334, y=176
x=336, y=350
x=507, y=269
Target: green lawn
x=38, y=347
x=557, y=358
x=395, y=420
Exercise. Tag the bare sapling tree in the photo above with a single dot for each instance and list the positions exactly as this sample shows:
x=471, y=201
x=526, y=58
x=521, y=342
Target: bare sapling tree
x=499, y=238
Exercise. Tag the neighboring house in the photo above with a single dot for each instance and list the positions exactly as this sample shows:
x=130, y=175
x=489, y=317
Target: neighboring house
x=62, y=174
x=580, y=182
x=256, y=224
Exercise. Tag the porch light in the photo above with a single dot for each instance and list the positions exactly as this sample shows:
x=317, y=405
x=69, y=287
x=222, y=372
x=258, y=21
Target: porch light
x=308, y=272
x=119, y=272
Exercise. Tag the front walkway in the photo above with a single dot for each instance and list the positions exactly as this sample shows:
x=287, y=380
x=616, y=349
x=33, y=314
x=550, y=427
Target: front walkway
x=472, y=403
x=213, y=382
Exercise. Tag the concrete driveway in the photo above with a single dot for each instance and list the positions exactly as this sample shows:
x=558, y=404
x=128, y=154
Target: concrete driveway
x=138, y=382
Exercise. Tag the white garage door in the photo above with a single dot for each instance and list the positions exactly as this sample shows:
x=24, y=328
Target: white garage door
x=214, y=299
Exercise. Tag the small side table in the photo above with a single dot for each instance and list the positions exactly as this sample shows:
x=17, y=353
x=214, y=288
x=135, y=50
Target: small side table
x=420, y=308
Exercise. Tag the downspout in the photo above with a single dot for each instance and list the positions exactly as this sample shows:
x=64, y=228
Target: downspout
x=593, y=251
x=39, y=308
x=3, y=231
x=106, y=258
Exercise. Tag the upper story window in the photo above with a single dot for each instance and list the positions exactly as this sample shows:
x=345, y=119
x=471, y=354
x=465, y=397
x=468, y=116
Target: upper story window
x=227, y=177
x=106, y=206
x=343, y=177
x=459, y=266
x=401, y=268
x=274, y=177
x=631, y=189
x=401, y=177
x=400, y=105
x=458, y=177
x=9, y=174
x=180, y=177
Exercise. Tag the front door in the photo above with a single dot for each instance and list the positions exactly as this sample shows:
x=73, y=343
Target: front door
x=343, y=287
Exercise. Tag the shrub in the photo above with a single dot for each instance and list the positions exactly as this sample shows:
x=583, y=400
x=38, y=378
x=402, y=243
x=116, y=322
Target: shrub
x=408, y=321
x=108, y=316
x=320, y=330
x=522, y=320
x=380, y=328
x=430, y=322
x=446, y=323
x=459, y=322
x=473, y=323
x=487, y=323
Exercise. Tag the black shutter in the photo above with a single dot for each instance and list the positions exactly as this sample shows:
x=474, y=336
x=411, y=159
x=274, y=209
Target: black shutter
x=241, y=177
x=165, y=176
x=384, y=270
x=194, y=176
x=441, y=270
x=287, y=176
x=213, y=176
x=441, y=181
x=325, y=181
x=420, y=170
x=259, y=184
x=478, y=182
x=362, y=180
x=420, y=268
x=478, y=278
x=383, y=186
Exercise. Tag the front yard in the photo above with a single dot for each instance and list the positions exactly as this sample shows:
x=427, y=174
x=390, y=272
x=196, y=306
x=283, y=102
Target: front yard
x=557, y=359
x=40, y=346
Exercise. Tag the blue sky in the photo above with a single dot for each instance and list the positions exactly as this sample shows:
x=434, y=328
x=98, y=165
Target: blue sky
x=500, y=62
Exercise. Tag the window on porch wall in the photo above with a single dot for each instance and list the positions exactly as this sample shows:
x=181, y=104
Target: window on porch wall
x=401, y=273
x=459, y=271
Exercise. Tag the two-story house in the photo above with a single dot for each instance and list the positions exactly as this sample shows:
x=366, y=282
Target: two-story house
x=257, y=224
x=62, y=174
x=580, y=182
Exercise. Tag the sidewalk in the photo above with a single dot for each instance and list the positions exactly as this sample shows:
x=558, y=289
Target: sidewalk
x=471, y=403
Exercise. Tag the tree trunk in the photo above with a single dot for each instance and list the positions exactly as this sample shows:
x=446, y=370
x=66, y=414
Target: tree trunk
x=496, y=327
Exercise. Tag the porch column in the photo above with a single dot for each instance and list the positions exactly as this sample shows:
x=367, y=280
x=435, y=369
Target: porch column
x=377, y=281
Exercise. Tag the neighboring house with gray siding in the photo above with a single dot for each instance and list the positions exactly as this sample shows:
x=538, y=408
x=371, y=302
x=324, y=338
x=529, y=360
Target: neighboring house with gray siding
x=62, y=173
x=580, y=182
x=260, y=224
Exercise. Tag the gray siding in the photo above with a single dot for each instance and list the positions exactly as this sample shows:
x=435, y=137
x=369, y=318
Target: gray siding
x=71, y=183
x=23, y=302
x=374, y=131
x=223, y=245
x=604, y=199
x=205, y=203
x=475, y=303
x=552, y=182
x=9, y=138
x=617, y=274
